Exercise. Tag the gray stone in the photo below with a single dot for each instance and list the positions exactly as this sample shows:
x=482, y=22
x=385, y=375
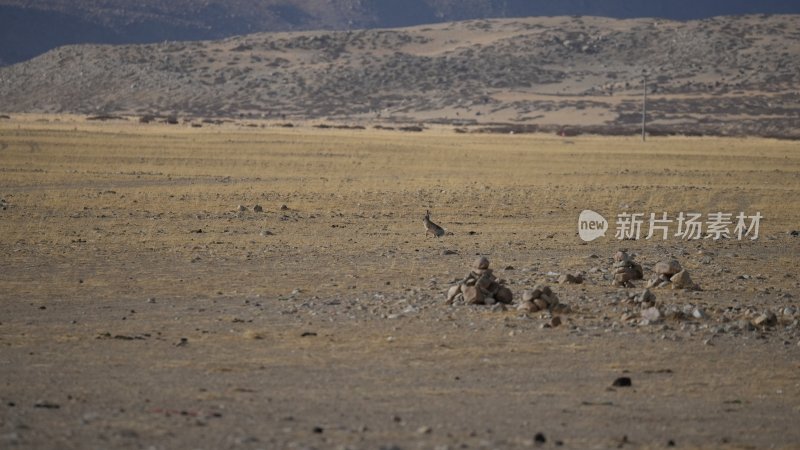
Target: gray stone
x=242, y=208
x=699, y=314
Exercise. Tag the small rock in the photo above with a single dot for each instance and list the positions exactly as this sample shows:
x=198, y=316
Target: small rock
x=481, y=263
x=647, y=296
x=652, y=315
x=622, y=382
x=258, y=208
x=284, y=208
x=539, y=438
x=555, y=321
x=242, y=208
x=424, y=430
x=448, y=252
x=682, y=280
x=267, y=233
x=698, y=314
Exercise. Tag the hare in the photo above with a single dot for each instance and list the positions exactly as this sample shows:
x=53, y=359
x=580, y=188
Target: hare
x=431, y=227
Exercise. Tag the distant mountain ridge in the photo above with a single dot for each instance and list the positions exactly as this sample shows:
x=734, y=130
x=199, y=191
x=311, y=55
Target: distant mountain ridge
x=29, y=28
x=726, y=75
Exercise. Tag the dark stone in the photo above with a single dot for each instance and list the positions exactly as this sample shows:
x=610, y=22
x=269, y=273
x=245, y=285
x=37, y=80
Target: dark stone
x=623, y=382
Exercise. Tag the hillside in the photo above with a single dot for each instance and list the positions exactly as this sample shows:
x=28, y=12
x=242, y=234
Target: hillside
x=731, y=75
x=29, y=28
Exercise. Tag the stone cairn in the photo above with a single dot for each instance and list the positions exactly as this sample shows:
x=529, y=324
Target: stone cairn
x=669, y=273
x=480, y=287
x=541, y=298
x=625, y=270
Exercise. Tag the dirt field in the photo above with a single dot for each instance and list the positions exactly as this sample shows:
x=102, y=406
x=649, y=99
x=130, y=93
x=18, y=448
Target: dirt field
x=140, y=308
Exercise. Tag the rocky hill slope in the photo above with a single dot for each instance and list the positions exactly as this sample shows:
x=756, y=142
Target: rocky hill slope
x=29, y=28
x=731, y=75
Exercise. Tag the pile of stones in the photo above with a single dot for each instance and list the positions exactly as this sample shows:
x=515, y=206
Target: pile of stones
x=669, y=273
x=480, y=287
x=625, y=270
x=541, y=298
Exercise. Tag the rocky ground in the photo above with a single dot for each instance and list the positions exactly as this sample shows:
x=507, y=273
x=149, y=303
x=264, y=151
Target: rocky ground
x=146, y=302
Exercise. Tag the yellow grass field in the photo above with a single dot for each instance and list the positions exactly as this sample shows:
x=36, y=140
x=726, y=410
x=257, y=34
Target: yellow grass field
x=140, y=308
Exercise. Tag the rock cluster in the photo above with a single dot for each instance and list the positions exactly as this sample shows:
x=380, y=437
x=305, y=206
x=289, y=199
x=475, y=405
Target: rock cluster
x=541, y=298
x=480, y=287
x=670, y=273
x=625, y=270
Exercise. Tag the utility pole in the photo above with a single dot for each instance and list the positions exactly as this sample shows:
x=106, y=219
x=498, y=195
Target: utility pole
x=644, y=107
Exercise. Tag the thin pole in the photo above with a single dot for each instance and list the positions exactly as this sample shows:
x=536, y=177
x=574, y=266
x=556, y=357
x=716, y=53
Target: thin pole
x=644, y=109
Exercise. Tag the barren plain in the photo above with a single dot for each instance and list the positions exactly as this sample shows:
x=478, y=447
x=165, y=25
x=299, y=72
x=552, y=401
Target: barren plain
x=141, y=307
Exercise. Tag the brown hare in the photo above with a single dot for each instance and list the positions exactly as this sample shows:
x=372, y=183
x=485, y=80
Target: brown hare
x=431, y=227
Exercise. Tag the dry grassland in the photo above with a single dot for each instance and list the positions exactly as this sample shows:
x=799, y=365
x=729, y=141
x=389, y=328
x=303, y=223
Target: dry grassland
x=323, y=325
